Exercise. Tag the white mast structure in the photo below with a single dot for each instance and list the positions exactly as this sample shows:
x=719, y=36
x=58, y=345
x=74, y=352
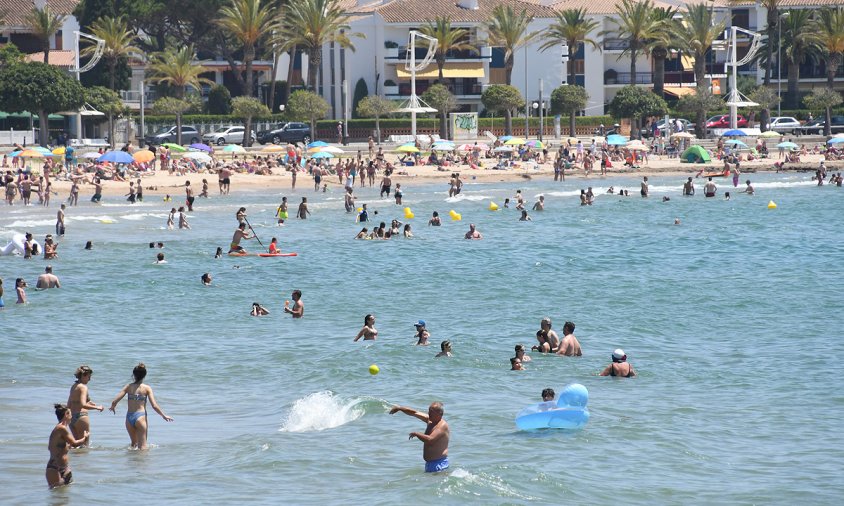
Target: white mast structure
x=95, y=58
x=735, y=99
x=414, y=104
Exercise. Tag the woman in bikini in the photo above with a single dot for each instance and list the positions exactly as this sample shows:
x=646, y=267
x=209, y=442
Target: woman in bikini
x=61, y=440
x=368, y=332
x=136, y=417
x=619, y=366
x=80, y=402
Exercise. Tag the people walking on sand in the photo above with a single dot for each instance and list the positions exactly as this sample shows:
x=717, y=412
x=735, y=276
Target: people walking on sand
x=61, y=440
x=79, y=401
x=137, y=394
x=436, y=437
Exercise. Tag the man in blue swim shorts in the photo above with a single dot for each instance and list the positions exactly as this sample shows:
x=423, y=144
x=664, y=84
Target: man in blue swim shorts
x=436, y=436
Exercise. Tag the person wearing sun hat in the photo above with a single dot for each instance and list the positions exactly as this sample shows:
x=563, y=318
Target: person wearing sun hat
x=422, y=334
x=619, y=366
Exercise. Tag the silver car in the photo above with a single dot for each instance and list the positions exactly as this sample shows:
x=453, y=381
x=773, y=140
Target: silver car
x=785, y=124
x=228, y=135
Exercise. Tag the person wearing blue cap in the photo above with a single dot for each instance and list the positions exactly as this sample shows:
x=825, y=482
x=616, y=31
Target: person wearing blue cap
x=422, y=334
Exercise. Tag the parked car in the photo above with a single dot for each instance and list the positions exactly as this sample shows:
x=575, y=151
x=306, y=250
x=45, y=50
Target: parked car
x=723, y=121
x=190, y=135
x=785, y=124
x=687, y=126
x=227, y=135
x=816, y=127
x=286, y=132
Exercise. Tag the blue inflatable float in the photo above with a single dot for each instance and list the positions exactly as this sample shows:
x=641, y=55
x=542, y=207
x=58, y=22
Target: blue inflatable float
x=569, y=412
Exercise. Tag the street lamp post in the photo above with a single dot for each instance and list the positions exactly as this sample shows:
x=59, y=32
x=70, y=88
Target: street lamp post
x=779, y=61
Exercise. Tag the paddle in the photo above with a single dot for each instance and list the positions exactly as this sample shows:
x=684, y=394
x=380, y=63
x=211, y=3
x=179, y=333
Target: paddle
x=254, y=233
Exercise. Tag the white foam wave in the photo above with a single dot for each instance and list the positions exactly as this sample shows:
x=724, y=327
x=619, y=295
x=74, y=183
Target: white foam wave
x=572, y=193
x=782, y=184
x=471, y=198
x=319, y=411
x=141, y=216
x=32, y=223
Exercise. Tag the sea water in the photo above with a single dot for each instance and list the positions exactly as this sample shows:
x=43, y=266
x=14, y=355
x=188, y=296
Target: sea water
x=732, y=319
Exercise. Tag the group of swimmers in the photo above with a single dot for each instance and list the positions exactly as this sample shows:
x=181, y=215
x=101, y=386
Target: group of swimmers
x=73, y=429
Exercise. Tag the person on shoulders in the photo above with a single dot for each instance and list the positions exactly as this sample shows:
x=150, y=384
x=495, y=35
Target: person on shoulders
x=569, y=346
x=619, y=366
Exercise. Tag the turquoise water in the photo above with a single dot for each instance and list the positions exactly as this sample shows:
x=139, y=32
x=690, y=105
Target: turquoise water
x=732, y=320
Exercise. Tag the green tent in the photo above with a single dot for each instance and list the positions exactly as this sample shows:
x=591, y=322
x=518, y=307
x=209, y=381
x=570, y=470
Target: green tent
x=695, y=154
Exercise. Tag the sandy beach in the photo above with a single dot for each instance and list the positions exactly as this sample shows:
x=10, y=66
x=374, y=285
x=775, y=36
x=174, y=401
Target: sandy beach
x=161, y=183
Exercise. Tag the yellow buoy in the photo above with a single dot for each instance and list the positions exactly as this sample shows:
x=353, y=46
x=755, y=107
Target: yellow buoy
x=408, y=214
x=456, y=216
x=360, y=209
x=373, y=369
x=493, y=206
x=772, y=205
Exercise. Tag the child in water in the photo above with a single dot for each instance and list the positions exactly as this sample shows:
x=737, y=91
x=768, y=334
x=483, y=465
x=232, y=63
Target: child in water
x=171, y=219
x=258, y=310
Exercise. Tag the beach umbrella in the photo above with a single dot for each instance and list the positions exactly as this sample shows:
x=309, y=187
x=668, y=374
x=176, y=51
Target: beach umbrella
x=91, y=155
x=735, y=142
x=444, y=146
x=233, y=148
x=201, y=147
x=466, y=147
x=695, y=154
x=571, y=141
x=59, y=151
x=322, y=154
x=407, y=149
x=326, y=149
x=116, y=157
x=770, y=134
x=143, y=156
x=505, y=138
x=31, y=153
x=618, y=141
x=274, y=148
x=787, y=145
x=636, y=145
x=535, y=144
x=198, y=156
x=683, y=135
x=174, y=147
x=515, y=141
x=734, y=133
x=317, y=144
x=503, y=149
x=835, y=140
x=616, y=137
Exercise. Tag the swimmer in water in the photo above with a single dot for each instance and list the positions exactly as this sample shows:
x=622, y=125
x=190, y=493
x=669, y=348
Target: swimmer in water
x=619, y=366
x=539, y=205
x=516, y=364
x=436, y=436
x=298, y=309
x=159, y=259
x=435, y=220
x=445, y=350
x=258, y=310
x=520, y=353
x=206, y=279
x=548, y=339
x=548, y=394
x=422, y=333
x=368, y=332
x=472, y=233
x=362, y=234
x=219, y=253
x=406, y=231
x=61, y=440
x=748, y=189
x=137, y=394
x=569, y=346
x=525, y=216
x=79, y=402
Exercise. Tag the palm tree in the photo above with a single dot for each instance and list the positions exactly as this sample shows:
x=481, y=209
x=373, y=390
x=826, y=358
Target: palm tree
x=118, y=40
x=44, y=24
x=831, y=32
x=571, y=28
x=800, y=40
x=448, y=39
x=773, y=20
x=310, y=24
x=661, y=43
x=176, y=68
x=694, y=35
x=634, y=23
x=248, y=21
x=508, y=29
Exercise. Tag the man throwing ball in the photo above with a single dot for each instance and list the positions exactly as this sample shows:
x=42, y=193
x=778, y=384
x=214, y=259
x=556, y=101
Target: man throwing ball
x=436, y=436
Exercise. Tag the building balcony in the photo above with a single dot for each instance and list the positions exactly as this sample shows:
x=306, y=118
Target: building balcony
x=625, y=78
x=132, y=98
x=616, y=44
x=399, y=55
x=459, y=90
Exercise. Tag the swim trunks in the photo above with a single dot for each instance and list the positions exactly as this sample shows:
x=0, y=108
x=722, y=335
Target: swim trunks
x=710, y=194
x=64, y=472
x=435, y=466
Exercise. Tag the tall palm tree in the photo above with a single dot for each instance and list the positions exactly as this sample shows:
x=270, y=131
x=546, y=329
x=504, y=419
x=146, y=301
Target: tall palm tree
x=773, y=21
x=118, y=40
x=248, y=21
x=509, y=29
x=831, y=32
x=177, y=69
x=44, y=23
x=448, y=39
x=800, y=40
x=661, y=43
x=310, y=24
x=635, y=23
x=694, y=35
x=572, y=28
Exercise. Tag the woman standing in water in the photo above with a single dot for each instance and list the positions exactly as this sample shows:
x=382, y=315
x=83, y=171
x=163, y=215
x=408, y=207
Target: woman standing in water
x=79, y=402
x=61, y=440
x=136, y=416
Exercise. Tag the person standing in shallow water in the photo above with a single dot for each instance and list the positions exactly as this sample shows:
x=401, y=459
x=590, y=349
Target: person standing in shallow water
x=619, y=366
x=136, y=416
x=79, y=402
x=436, y=437
x=61, y=440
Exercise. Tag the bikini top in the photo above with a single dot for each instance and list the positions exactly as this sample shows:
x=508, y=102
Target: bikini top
x=137, y=397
